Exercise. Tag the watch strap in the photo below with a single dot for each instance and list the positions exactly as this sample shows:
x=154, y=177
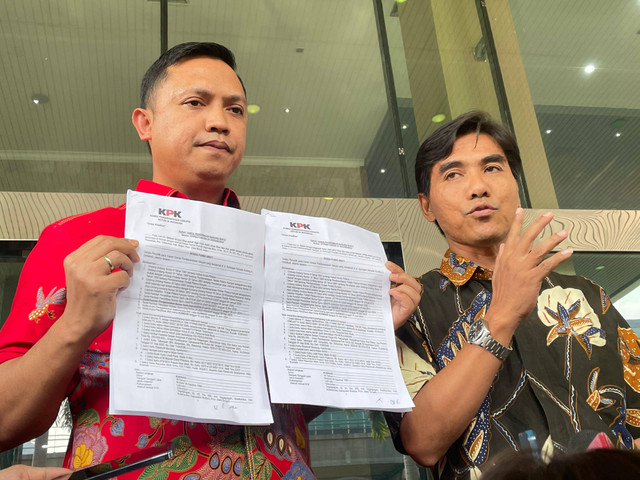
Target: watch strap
x=486, y=341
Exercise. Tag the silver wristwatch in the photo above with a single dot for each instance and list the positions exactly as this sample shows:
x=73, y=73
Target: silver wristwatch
x=479, y=334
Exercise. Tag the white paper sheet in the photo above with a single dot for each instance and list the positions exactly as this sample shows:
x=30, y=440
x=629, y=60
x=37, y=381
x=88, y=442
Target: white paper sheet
x=187, y=336
x=329, y=337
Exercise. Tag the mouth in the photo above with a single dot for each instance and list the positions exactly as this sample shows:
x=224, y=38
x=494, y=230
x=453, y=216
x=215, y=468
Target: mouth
x=215, y=145
x=481, y=210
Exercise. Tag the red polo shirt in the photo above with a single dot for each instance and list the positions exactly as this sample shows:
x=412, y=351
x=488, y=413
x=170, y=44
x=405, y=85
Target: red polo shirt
x=216, y=451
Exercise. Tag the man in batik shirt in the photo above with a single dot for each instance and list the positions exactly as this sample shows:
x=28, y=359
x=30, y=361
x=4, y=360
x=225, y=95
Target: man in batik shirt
x=501, y=344
x=57, y=339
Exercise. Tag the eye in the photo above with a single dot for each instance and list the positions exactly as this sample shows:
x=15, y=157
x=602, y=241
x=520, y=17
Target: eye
x=194, y=103
x=450, y=175
x=237, y=110
x=493, y=168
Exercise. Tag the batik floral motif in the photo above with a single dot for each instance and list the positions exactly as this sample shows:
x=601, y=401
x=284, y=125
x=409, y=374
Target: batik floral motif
x=630, y=353
x=299, y=471
x=568, y=313
x=44, y=304
x=94, y=369
x=90, y=446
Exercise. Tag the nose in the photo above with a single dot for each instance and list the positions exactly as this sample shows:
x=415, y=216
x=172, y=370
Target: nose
x=216, y=120
x=477, y=187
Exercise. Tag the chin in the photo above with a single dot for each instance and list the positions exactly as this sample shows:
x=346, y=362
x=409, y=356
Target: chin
x=489, y=239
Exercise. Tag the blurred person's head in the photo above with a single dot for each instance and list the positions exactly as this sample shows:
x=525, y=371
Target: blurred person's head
x=598, y=464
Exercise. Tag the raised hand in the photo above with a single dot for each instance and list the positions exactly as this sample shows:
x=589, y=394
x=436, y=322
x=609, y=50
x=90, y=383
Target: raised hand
x=405, y=295
x=520, y=269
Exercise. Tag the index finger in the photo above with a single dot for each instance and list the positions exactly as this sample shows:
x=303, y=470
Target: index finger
x=531, y=233
x=516, y=227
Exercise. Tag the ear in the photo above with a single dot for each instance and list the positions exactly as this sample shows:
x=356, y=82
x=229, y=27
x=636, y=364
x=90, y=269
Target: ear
x=425, y=206
x=142, y=120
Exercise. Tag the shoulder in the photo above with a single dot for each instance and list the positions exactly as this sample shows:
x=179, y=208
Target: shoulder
x=432, y=280
x=77, y=229
x=588, y=287
x=573, y=281
x=572, y=288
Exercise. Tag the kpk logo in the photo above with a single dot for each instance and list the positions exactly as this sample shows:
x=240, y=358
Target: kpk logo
x=305, y=226
x=165, y=212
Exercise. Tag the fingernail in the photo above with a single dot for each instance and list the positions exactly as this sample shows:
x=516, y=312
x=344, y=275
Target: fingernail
x=548, y=214
x=518, y=210
x=562, y=233
x=567, y=251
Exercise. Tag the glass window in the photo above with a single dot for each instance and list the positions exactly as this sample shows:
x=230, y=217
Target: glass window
x=580, y=60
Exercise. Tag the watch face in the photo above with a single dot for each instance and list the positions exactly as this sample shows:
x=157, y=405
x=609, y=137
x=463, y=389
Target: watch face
x=475, y=330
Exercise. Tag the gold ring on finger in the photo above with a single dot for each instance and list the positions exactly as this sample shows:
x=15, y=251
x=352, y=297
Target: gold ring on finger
x=111, y=267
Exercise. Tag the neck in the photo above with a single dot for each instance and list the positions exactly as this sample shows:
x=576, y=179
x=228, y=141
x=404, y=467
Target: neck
x=203, y=192
x=209, y=195
x=483, y=256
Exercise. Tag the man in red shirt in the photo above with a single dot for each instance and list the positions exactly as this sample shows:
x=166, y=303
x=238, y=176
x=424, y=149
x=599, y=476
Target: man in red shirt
x=57, y=339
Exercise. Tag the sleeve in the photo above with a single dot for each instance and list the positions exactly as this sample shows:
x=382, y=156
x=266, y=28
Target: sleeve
x=629, y=349
x=40, y=296
x=628, y=346
x=416, y=365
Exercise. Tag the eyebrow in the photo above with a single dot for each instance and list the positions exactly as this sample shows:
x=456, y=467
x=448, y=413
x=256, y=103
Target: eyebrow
x=496, y=157
x=206, y=93
x=445, y=166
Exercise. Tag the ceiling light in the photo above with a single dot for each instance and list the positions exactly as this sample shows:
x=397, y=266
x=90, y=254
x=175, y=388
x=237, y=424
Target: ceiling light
x=439, y=118
x=382, y=170
x=287, y=110
x=600, y=267
x=404, y=127
x=253, y=108
x=548, y=131
x=39, y=98
x=45, y=446
x=400, y=1
x=327, y=198
x=589, y=68
x=618, y=134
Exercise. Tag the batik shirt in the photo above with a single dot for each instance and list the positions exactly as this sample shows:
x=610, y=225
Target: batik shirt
x=205, y=451
x=574, y=365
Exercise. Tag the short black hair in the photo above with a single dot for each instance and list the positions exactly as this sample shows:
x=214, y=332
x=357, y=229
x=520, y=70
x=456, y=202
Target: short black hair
x=158, y=71
x=439, y=145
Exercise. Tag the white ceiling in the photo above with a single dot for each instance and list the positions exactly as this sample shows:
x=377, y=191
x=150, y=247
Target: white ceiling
x=558, y=38
x=88, y=57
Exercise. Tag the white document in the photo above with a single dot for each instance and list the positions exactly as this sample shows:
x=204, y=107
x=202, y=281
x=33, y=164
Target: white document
x=329, y=337
x=187, y=336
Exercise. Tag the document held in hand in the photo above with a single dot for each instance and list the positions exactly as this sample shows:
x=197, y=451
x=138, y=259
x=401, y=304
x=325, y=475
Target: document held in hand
x=188, y=337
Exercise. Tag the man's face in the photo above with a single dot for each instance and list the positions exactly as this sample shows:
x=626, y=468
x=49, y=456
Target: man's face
x=195, y=124
x=473, y=194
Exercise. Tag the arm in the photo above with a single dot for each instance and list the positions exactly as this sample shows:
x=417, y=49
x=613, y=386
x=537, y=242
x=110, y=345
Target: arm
x=431, y=428
x=33, y=385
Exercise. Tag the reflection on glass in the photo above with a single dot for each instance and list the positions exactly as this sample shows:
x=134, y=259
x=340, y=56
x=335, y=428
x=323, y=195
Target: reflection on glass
x=583, y=75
